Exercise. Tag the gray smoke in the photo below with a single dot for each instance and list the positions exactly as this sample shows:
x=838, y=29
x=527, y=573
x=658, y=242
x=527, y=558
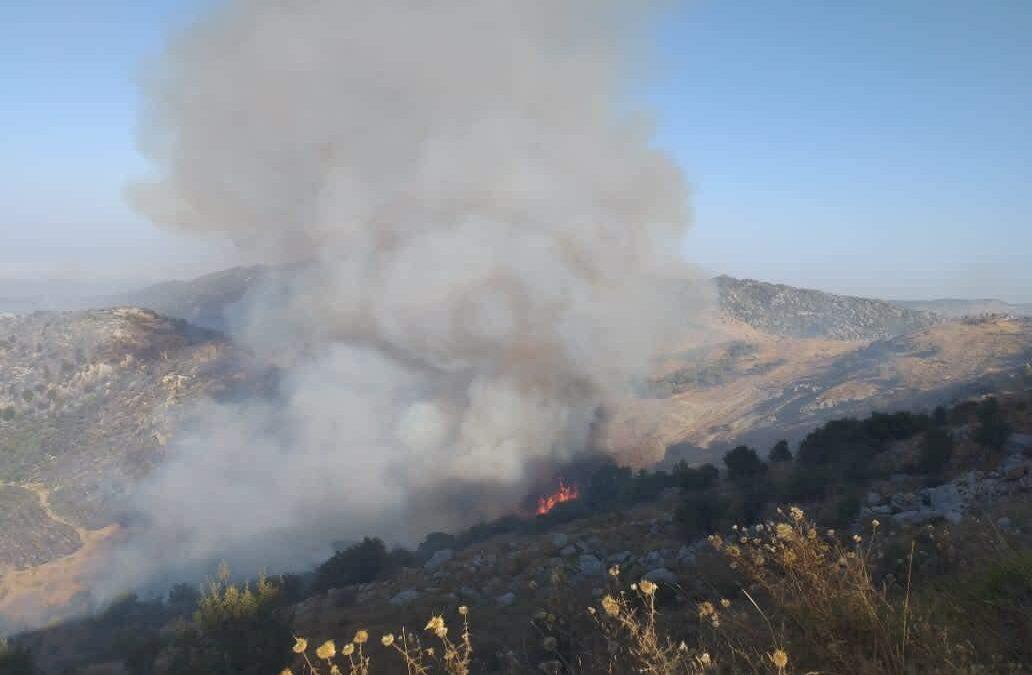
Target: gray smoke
x=487, y=240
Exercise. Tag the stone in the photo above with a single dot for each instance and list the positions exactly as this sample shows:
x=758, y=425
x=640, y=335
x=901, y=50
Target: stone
x=568, y=551
x=620, y=557
x=1015, y=472
x=590, y=566
x=405, y=597
x=560, y=540
x=873, y=499
x=660, y=575
x=469, y=594
x=918, y=517
x=506, y=599
x=438, y=559
x=685, y=555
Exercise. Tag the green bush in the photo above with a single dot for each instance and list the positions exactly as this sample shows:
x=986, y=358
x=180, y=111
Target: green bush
x=780, y=452
x=993, y=429
x=700, y=513
x=608, y=487
x=936, y=451
x=235, y=631
x=698, y=478
x=15, y=660
x=359, y=563
x=743, y=462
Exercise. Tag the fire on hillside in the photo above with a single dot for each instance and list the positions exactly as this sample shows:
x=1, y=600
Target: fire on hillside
x=565, y=493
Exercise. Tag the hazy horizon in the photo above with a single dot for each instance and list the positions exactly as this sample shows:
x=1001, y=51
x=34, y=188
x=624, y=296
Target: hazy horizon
x=874, y=151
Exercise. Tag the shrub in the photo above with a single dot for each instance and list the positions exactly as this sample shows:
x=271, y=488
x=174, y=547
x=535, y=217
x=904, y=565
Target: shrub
x=15, y=660
x=993, y=429
x=699, y=478
x=780, y=452
x=359, y=563
x=235, y=631
x=743, y=462
x=608, y=487
x=700, y=513
x=935, y=451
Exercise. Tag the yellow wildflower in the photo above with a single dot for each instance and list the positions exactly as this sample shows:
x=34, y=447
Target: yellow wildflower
x=706, y=609
x=387, y=639
x=647, y=587
x=326, y=650
x=614, y=571
x=348, y=649
x=463, y=610
x=611, y=606
x=300, y=645
x=361, y=637
x=779, y=658
x=796, y=513
x=435, y=623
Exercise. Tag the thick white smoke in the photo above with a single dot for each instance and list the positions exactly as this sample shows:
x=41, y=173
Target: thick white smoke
x=484, y=229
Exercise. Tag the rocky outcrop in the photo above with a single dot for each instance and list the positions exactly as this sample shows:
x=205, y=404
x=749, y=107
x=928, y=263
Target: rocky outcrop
x=953, y=500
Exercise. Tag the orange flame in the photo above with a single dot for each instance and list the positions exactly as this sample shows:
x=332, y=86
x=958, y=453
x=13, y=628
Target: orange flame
x=565, y=493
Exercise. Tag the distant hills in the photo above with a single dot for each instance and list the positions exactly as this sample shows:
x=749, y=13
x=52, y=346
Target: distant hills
x=787, y=311
x=775, y=309
x=954, y=308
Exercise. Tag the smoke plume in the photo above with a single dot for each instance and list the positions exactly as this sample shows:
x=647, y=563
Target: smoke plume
x=482, y=232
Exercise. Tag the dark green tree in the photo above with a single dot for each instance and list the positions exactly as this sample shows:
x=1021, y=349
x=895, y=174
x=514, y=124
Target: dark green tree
x=743, y=462
x=780, y=452
x=359, y=563
x=695, y=478
x=936, y=450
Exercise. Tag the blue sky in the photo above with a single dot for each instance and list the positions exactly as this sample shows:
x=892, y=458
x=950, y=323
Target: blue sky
x=879, y=147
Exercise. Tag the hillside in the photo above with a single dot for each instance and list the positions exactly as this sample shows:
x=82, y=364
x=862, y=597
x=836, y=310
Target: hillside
x=204, y=301
x=956, y=308
x=87, y=403
x=787, y=311
x=947, y=543
x=759, y=388
x=89, y=399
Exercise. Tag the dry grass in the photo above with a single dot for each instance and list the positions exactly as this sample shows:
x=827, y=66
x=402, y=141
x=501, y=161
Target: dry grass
x=809, y=601
x=447, y=656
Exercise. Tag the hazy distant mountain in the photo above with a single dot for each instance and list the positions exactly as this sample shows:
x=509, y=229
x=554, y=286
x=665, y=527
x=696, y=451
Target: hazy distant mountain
x=22, y=296
x=770, y=308
x=206, y=300
x=954, y=308
x=787, y=311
